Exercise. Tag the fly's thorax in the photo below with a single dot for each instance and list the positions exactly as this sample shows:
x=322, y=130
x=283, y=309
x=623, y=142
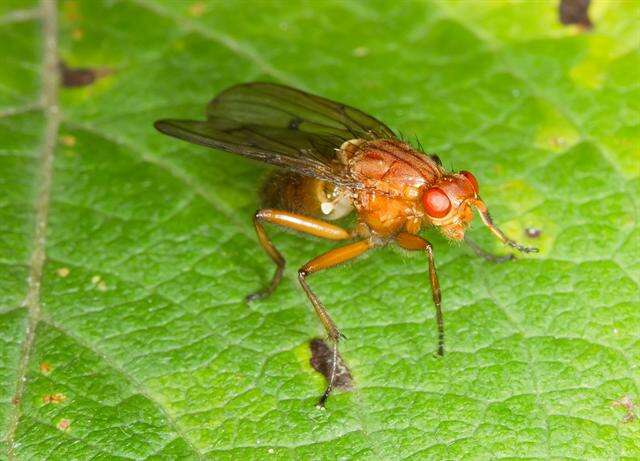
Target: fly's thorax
x=390, y=161
x=305, y=195
x=392, y=175
x=386, y=214
x=349, y=149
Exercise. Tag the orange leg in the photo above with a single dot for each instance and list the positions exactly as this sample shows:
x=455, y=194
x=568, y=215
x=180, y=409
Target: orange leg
x=486, y=219
x=325, y=261
x=293, y=221
x=414, y=243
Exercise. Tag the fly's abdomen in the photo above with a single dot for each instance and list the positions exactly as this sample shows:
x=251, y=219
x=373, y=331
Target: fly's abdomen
x=304, y=195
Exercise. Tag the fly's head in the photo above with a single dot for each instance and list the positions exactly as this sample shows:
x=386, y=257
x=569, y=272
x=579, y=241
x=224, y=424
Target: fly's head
x=447, y=203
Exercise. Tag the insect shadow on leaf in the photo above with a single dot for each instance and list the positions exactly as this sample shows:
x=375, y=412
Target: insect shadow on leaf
x=322, y=361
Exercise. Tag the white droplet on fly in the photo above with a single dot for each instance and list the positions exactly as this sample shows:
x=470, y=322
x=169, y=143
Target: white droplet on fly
x=326, y=207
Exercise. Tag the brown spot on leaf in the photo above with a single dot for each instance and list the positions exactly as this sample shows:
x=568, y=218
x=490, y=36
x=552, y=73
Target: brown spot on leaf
x=322, y=361
x=360, y=52
x=77, y=34
x=63, y=424
x=629, y=407
x=68, y=140
x=74, y=77
x=54, y=398
x=15, y=400
x=533, y=232
x=63, y=272
x=71, y=11
x=575, y=12
x=197, y=9
x=45, y=368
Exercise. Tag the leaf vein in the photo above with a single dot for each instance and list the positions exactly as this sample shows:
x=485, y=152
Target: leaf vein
x=49, y=98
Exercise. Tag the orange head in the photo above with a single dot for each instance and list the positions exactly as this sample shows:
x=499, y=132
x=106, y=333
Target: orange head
x=447, y=203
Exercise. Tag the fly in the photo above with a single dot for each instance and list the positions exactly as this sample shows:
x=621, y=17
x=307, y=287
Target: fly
x=335, y=160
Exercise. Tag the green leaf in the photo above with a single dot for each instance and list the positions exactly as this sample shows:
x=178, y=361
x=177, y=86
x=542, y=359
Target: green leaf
x=125, y=255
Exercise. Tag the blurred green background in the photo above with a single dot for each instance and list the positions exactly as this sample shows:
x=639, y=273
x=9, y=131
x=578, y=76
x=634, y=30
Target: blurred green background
x=125, y=255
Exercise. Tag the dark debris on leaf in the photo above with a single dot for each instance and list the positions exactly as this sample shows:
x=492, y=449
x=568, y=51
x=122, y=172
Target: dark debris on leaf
x=322, y=360
x=74, y=77
x=575, y=12
x=533, y=232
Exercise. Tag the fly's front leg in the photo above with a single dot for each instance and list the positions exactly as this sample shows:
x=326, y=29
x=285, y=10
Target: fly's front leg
x=325, y=261
x=479, y=251
x=486, y=219
x=414, y=243
x=293, y=221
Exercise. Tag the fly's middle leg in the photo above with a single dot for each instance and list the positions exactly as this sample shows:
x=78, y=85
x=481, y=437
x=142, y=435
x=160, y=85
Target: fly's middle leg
x=293, y=221
x=414, y=243
x=325, y=261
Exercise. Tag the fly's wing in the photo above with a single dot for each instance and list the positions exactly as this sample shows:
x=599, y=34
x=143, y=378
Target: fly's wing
x=279, y=125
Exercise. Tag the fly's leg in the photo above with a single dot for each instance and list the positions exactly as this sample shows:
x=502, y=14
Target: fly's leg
x=479, y=251
x=325, y=261
x=293, y=221
x=414, y=243
x=486, y=219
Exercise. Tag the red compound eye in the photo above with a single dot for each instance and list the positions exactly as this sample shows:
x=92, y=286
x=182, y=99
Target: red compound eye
x=472, y=179
x=436, y=203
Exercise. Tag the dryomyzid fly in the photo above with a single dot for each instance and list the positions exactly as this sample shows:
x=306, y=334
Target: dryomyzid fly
x=334, y=160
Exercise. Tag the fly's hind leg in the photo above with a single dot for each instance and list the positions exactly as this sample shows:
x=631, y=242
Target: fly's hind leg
x=325, y=261
x=293, y=221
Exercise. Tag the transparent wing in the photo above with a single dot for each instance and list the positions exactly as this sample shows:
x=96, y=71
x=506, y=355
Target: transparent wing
x=279, y=125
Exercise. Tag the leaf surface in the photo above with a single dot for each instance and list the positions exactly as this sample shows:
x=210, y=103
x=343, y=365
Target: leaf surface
x=125, y=255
